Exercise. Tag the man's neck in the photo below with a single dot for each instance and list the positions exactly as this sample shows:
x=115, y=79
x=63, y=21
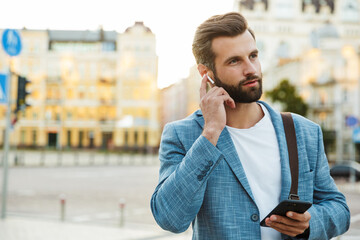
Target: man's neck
x=245, y=115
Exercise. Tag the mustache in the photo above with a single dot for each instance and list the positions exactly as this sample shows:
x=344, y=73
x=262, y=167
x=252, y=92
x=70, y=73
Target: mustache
x=250, y=78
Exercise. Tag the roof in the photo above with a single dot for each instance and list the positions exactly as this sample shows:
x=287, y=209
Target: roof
x=82, y=36
x=138, y=24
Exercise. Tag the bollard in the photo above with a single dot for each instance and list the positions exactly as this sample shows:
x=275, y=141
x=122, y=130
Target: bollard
x=122, y=210
x=62, y=206
x=16, y=160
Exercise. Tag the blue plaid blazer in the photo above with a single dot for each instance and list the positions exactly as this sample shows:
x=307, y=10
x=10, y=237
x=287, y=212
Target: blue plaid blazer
x=206, y=186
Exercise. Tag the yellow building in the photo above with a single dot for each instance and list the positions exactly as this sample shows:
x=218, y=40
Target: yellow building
x=89, y=89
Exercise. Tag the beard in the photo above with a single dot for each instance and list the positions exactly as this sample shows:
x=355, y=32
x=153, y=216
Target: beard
x=239, y=93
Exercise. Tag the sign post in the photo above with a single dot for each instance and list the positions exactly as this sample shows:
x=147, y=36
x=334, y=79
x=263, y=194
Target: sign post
x=11, y=42
x=356, y=139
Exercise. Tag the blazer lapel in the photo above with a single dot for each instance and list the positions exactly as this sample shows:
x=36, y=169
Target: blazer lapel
x=226, y=146
x=284, y=155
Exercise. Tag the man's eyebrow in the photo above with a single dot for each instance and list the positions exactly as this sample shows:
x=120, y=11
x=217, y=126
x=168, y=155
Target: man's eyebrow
x=232, y=58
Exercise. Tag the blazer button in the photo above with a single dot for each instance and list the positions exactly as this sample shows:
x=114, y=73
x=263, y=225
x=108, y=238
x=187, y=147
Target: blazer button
x=200, y=177
x=254, y=217
x=210, y=163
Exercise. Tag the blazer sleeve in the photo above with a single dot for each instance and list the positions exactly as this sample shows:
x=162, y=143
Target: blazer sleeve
x=182, y=179
x=330, y=215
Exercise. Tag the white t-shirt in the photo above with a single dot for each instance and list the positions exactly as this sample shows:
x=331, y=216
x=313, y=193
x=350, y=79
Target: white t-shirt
x=259, y=154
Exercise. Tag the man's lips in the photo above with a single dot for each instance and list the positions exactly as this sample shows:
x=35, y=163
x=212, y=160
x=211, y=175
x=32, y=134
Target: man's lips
x=250, y=83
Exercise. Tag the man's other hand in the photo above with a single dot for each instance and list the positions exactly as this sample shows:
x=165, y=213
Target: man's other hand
x=292, y=225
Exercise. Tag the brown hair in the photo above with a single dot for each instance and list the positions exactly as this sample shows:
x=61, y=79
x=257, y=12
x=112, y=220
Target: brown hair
x=229, y=24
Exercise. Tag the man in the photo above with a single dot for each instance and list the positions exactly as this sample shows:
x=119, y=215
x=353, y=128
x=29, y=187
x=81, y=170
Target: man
x=224, y=168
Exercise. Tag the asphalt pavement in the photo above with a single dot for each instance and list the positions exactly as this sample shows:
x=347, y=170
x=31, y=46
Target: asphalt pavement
x=93, y=185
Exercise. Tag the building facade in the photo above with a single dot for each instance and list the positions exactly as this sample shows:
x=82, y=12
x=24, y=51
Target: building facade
x=284, y=29
x=316, y=46
x=89, y=89
x=182, y=98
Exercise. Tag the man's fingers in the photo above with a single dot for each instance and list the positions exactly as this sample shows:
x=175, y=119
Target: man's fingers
x=289, y=230
x=289, y=221
x=203, y=86
x=289, y=226
x=302, y=217
x=229, y=101
x=215, y=92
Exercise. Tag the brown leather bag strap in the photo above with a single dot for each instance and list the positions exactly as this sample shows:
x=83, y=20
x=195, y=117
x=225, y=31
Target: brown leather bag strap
x=293, y=153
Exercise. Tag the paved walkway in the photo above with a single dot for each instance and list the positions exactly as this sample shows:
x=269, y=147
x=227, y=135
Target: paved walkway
x=18, y=228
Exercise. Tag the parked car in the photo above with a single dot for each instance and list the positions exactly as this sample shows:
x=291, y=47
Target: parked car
x=343, y=170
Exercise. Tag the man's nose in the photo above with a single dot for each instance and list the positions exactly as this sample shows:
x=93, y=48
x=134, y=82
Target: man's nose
x=249, y=68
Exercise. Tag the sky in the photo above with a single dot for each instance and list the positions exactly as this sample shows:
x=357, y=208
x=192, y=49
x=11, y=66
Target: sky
x=173, y=23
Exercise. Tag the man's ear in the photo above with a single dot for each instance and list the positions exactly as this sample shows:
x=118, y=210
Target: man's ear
x=202, y=69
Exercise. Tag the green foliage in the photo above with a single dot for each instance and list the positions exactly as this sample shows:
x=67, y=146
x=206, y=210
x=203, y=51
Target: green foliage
x=286, y=94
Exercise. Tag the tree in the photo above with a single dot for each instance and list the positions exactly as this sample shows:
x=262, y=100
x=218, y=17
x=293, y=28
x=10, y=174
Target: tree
x=286, y=95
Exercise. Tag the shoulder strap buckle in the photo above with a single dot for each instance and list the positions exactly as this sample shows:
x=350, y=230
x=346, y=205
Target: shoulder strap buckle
x=294, y=197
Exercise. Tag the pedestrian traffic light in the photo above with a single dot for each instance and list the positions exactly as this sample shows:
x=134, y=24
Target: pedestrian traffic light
x=21, y=94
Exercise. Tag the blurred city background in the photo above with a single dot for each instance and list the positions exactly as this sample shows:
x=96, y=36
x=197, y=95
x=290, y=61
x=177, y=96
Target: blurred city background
x=88, y=105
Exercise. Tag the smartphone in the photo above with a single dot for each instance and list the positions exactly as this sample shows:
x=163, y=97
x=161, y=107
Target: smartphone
x=288, y=205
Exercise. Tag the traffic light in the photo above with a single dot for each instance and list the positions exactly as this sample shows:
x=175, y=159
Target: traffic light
x=21, y=94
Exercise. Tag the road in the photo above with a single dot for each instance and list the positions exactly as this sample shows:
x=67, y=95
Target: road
x=93, y=194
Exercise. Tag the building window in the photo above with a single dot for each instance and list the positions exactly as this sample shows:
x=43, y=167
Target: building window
x=283, y=50
x=108, y=46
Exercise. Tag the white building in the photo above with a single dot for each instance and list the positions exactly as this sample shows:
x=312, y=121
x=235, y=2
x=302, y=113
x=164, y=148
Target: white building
x=316, y=46
x=284, y=29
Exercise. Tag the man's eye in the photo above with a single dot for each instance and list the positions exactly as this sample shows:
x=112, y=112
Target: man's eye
x=233, y=61
x=253, y=55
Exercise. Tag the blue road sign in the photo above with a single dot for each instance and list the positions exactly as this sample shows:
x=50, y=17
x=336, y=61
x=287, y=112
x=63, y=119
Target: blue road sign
x=3, y=88
x=11, y=42
x=351, y=121
x=356, y=135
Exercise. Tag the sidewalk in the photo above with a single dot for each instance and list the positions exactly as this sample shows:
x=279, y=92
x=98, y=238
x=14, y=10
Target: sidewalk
x=18, y=228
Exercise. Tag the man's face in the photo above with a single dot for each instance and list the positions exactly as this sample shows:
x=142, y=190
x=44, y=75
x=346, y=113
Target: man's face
x=237, y=66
